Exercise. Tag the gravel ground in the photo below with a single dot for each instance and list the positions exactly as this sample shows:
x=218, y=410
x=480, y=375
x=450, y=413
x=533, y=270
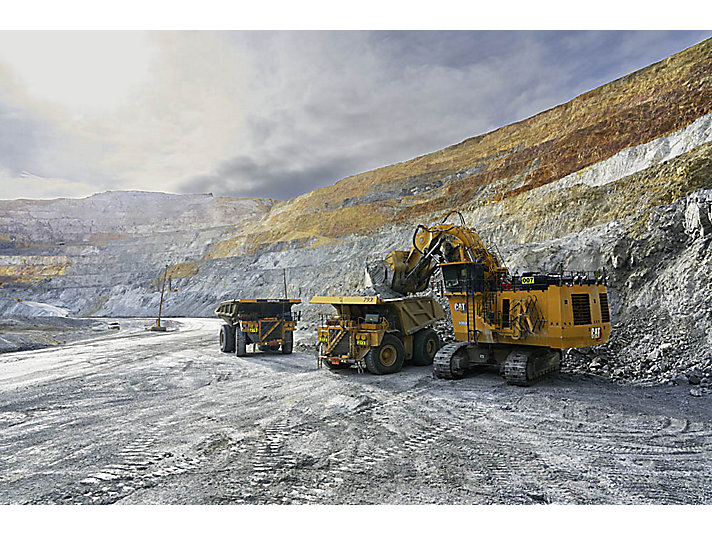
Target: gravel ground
x=144, y=417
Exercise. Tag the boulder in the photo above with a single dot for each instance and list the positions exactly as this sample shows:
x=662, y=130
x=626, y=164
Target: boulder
x=694, y=377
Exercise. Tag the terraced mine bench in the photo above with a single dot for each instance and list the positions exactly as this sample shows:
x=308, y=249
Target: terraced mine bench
x=266, y=323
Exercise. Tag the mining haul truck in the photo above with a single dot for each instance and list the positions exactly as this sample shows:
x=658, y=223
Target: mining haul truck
x=380, y=334
x=519, y=323
x=266, y=323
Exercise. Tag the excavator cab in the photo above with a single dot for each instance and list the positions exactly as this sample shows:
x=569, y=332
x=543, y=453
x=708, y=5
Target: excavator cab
x=463, y=277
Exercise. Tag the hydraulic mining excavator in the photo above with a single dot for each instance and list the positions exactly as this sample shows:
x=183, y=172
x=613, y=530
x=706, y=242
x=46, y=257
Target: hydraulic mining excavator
x=520, y=323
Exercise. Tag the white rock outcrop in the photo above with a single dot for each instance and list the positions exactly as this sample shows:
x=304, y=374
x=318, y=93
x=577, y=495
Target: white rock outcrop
x=640, y=157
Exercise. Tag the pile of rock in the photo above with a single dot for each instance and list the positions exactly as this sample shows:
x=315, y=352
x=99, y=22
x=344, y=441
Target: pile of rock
x=444, y=327
x=671, y=363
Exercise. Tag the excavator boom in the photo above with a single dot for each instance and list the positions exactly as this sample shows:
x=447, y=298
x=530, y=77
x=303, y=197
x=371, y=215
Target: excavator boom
x=407, y=272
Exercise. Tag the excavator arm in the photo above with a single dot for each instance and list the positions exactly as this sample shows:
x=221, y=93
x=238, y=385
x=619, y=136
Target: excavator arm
x=410, y=271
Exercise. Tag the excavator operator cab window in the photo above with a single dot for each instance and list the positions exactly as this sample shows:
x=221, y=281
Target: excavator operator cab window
x=464, y=277
x=451, y=276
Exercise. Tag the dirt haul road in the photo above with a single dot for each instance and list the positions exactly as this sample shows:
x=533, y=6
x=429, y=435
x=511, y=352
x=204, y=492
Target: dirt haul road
x=167, y=418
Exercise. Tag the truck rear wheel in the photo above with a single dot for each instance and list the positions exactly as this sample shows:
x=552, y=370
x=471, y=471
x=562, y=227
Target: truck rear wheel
x=426, y=344
x=240, y=343
x=387, y=358
x=288, y=343
x=227, y=338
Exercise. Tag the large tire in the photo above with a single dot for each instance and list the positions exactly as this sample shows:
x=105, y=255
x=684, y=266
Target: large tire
x=288, y=343
x=227, y=338
x=240, y=343
x=387, y=358
x=426, y=344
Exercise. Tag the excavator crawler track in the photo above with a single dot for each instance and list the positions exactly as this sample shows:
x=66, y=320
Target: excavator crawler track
x=442, y=363
x=522, y=368
x=515, y=369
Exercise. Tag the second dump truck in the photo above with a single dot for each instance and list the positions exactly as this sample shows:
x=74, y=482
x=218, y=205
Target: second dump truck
x=379, y=334
x=267, y=323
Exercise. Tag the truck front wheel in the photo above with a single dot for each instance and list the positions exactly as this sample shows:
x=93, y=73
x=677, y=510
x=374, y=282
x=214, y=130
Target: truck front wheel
x=240, y=343
x=425, y=344
x=288, y=343
x=387, y=358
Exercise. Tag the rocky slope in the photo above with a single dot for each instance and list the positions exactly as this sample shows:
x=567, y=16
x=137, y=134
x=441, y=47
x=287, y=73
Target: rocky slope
x=619, y=177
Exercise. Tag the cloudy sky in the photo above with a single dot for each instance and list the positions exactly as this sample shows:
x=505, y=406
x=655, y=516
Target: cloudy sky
x=276, y=114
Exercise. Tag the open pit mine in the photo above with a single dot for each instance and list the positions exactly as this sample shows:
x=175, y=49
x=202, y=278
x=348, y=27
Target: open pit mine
x=94, y=408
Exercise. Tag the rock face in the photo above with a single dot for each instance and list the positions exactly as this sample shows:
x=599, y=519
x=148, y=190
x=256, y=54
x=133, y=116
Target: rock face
x=105, y=254
x=619, y=178
x=698, y=216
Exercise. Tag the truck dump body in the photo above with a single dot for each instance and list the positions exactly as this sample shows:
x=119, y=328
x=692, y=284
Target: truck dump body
x=411, y=313
x=262, y=322
x=231, y=310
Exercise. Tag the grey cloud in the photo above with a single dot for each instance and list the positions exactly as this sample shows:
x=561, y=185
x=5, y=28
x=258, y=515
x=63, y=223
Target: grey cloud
x=339, y=103
x=278, y=114
x=21, y=137
x=245, y=176
x=34, y=146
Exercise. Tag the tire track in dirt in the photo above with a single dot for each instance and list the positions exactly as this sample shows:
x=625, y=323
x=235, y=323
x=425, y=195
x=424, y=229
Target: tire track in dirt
x=138, y=465
x=183, y=423
x=613, y=455
x=271, y=465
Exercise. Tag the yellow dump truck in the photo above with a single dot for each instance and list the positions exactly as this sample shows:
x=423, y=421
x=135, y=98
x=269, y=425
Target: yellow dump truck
x=380, y=334
x=266, y=323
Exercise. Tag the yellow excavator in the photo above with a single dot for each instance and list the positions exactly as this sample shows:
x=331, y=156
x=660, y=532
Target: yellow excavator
x=519, y=322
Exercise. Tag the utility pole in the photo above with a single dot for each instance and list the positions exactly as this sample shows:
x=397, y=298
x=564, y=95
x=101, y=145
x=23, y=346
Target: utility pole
x=157, y=327
x=284, y=278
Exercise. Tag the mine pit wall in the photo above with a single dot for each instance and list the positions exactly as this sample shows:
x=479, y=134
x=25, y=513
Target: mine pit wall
x=643, y=214
x=611, y=223
x=658, y=258
x=659, y=278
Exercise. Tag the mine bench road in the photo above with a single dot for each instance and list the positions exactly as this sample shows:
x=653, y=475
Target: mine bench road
x=167, y=418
